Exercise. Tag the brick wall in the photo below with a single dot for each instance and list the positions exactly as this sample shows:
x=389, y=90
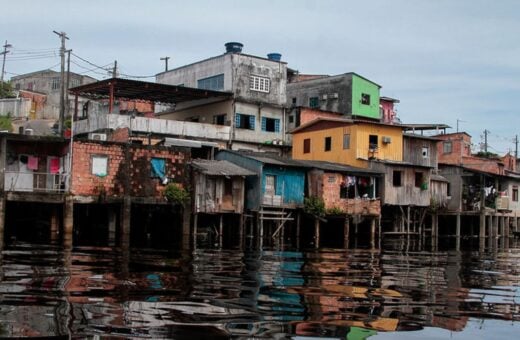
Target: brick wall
x=127, y=165
x=307, y=115
x=460, y=147
x=120, y=135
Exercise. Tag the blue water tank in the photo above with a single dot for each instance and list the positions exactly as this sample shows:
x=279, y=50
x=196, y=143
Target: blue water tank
x=233, y=47
x=274, y=56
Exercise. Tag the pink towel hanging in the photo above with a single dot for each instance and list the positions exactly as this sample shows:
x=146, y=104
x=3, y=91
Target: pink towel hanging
x=32, y=163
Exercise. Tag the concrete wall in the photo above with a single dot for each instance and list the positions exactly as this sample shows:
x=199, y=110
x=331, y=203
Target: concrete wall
x=15, y=107
x=340, y=86
x=362, y=86
x=42, y=82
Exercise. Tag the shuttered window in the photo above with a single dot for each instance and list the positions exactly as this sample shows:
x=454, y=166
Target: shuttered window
x=270, y=124
x=243, y=121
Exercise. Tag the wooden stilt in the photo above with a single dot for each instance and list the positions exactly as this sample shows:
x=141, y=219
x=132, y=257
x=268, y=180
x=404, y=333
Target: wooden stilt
x=316, y=233
x=2, y=216
x=68, y=221
x=125, y=219
x=195, y=229
x=112, y=221
x=346, y=232
x=241, y=231
x=298, y=222
x=220, y=230
x=457, y=231
x=373, y=232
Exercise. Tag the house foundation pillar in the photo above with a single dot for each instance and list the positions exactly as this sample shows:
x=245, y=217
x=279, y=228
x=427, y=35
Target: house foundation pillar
x=68, y=220
x=346, y=232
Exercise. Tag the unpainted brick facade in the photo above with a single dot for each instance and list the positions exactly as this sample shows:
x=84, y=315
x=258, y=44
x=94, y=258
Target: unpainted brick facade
x=128, y=169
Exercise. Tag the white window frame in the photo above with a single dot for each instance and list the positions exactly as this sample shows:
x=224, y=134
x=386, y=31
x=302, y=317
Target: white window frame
x=260, y=84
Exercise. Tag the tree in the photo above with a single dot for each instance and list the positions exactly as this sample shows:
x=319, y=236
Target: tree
x=5, y=124
x=6, y=90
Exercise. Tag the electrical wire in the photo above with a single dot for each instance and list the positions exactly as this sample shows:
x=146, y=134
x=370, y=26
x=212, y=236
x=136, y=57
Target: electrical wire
x=88, y=62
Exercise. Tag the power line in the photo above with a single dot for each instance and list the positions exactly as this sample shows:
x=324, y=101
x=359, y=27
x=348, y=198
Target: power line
x=88, y=62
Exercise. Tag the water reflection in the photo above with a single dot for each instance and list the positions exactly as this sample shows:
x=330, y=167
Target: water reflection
x=217, y=293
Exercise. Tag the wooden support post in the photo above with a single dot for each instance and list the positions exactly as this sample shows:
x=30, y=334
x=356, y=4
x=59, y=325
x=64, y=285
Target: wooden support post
x=373, y=232
x=316, y=232
x=482, y=230
x=298, y=222
x=261, y=233
x=55, y=223
x=195, y=229
x=126, y=212
x=241, y=231
x=346, y=232
x=457, y=231
x=112, y=220
x=2, y=217
x=408, y=220
x=186, y=224
x=68, y=220
x=220, y=229
x=507, y=230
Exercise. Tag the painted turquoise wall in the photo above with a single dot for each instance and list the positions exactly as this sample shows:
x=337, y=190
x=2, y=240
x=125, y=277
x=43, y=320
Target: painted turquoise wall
x=290, y=181
x=359, y=86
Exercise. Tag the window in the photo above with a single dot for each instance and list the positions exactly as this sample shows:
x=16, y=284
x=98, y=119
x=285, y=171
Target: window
x=259, y=84
x=514, y=194
x=307, y=145
x=270, y=124
x=314, y=102
x=30, y=86
x=332, y=179
x=219, y=119
x=365, y=99
x=448, y=190
x=328, y=143
x=55, y=83
x=291, y=119
x=447, y=147
x=396, y=178
x=243, y=121
x=294, y=101
x=425, y=152
x=100, y=166
x=74, y=82
x=158, y=167
x=346, y=141
x=372, y=142
x=215, y=83
x=419, y=179
x=17, y=86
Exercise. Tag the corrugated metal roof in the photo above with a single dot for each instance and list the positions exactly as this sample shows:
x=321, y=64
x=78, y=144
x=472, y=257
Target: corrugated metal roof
x=328, y=166
x=438, y=178
x=220, y=168
x=273, y=159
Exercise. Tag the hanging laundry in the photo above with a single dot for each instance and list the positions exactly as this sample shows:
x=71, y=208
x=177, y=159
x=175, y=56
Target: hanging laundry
x=32, y=163
x=54, y=166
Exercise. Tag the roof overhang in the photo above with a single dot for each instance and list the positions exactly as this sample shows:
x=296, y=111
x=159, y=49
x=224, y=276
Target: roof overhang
x=145, y=91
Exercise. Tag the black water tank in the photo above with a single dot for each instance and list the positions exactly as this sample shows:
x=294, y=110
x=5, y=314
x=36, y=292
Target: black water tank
x=233, y=47
x=274, y=56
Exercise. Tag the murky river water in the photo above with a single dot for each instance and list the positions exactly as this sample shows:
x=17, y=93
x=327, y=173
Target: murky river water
x=393, y=293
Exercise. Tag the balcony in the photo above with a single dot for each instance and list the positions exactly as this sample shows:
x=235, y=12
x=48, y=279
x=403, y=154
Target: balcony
x=40, y=182
x=97, y=122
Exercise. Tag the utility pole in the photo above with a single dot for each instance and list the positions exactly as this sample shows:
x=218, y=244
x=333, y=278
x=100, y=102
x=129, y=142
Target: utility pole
x=6, y=46
x=459, y=121
x=67, y=82
x=165, y=63
x=516, y=147
x=63, y=37
x=485, y=141
x=114, y=71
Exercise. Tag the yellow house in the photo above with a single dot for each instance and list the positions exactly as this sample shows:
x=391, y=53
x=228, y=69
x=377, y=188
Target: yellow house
x=347, y=141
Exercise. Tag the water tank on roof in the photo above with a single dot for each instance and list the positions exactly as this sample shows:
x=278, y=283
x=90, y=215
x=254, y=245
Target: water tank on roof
x=233, y=47
x=274, y=56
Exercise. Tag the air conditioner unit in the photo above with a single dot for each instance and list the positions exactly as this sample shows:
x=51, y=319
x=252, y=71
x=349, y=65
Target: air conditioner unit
x=324, y=97
x=97, y=136
x=334, y=95
x=387, y=140
x=502, y=203
x=28, y=132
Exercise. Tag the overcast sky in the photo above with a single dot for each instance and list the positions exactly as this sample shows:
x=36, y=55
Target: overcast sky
x=444, y=59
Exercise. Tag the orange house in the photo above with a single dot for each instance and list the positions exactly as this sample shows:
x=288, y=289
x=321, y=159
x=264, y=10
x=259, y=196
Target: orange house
x=347, y=141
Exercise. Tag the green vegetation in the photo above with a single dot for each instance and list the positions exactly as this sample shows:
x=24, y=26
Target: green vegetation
x=488, y=154
x=6, y=124
x=176, y=194
x=334, y=211
x=6, y=90
x=314, y=206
